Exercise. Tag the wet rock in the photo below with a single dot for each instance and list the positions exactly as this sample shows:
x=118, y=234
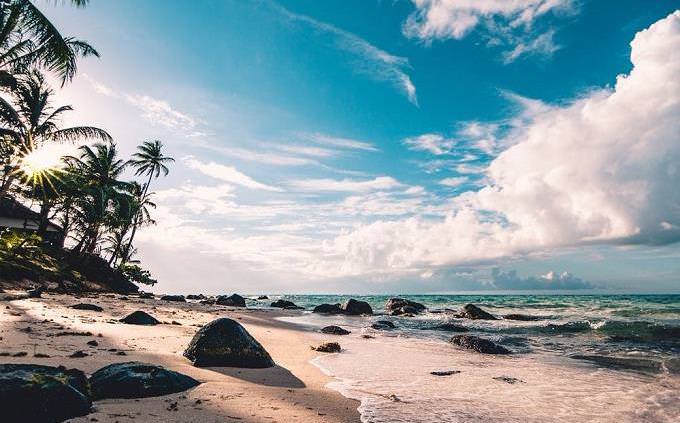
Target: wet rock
x=354, y=307
x=33, y=393
x=508, y=379
x=642, y=365
x=35, y=292
x=139, y=318
x=288, y=305
x=335, y=330
x=522, y=317
x=175, y=298
x=478, y=344
x=401, y=306
x=89, y=307
x=224, y=342
x=383, y=325
x=195, y=297
x=78, y=354
x=146, y=295
x=445, y=373
x=93, y=343
x=450, y=327
x=471, y=311
x=234, y=300
x=328, y=347
x=328, y=309
x=137, y=380
x=263, y=297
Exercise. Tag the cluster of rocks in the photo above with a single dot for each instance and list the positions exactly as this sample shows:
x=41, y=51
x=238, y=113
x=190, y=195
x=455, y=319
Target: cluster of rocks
x=350, y=307
x=403, y=307
x=286, y=305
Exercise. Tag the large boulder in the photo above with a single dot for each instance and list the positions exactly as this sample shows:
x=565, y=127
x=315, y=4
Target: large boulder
x=231, y=300
x=399, y=306
x=139, y=318
x=471, y=311
x=478, y=344
x=328, y=309
x=354, y=307
x=287, y=305
x=335, y=330
x=137, y=380
x=33, y=393
x=175, y=298
x=224, y=342
x=89, y=307
x=383, y=325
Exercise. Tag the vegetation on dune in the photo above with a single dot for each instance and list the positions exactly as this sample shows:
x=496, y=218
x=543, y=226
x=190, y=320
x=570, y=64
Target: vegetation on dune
x=97, y=209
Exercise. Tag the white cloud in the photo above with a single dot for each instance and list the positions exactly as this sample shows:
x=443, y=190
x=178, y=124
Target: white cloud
x=342, y=142
x=550, y=281
x=227, y=174
x=453, y=181
x=346, y=185
x=506, y=23
x=432, y=143
x=603, y=169
x=367, y=58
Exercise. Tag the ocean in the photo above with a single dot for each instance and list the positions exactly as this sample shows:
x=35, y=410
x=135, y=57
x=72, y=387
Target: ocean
x=583, y=358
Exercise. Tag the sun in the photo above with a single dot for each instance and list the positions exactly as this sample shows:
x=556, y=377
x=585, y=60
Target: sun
x=40, y=161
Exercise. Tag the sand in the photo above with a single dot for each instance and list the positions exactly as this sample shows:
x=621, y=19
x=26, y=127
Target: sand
x=293, y=391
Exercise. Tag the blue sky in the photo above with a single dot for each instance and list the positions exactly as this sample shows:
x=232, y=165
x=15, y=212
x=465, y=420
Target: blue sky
x=384, y=146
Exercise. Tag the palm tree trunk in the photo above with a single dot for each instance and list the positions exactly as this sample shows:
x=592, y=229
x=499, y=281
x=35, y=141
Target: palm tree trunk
x=136, y=222
x=45, y=208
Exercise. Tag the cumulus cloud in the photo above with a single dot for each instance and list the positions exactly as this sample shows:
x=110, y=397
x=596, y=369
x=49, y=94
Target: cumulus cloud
x=549, y=281
x=227, y=174
x=453, y=182
x=602, y=169
x=346, y=185
x=505, y=23
x=436, y=144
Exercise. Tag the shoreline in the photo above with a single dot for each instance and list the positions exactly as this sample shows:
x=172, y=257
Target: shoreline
x=293, y=391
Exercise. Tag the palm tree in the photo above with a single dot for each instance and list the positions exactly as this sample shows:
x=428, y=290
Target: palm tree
x=133, y=212
x=28, y=38
x=30, y=122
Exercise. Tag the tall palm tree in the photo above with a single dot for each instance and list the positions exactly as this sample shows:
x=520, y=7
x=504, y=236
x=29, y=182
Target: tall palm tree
x=30, y=122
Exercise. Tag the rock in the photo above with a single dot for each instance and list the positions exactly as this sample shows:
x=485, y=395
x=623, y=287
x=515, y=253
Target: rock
x=263, y=297
x=288, y=305
x=175, y=298
x=335, y=330
x=208, y=301
x=78, y=354
x=478, y=344
x=90, y=307
x=522, y=317
x=445, y=373
x=137, y=380
x=328, y=309
x=383, y=325
x=224, y=342
x=146, y=295
x=642, y=365
x=471, y=311
x=93, y=343
x=354, y=307
x=33, y=393
x=195, y=297
x=35, y=292
x=508, y=379
x=328, y=347
x=400, y=306
x=139, y=318
x=449, y=327
x=232, y=300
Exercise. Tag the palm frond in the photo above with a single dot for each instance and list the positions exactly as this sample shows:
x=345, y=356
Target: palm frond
x=79, y=133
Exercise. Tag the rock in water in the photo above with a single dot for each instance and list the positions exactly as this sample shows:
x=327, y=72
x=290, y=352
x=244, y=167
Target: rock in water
x=354, y=307
x=383, y=325
x=139, y=318
x=522, y=317
x=471, y=311
x=90, y=307
x=478, y=344
x=399, y=306
x=263, y=297
x=288, y=305
x=32, y=393
x=328, y=309
x=137, y=380
x=450, y=327
x=176, y=298
x=232, y=300
x=335, y=330
x=224, y=342
x=328, y=347
x=195, y=297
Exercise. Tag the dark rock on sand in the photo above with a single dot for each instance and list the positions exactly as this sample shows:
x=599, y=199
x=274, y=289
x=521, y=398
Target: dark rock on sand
x=195, y=297
x=35, y=292
x=288, y=305
x=642, y=365
x=354, y=307
x=508, y=379
x=478, y=344
x=335, y=330
x=146, y=295
x=383, y=325
x=90, y=307
x=471, y=311
x=401, y=306
x=224, y=342
x=175, y=298
x=93, y=343
x=33, y=393
x=450, y=327
x=522, y=317
x=328, y=309
x=445, y=373
x=328, y=347
x=137, y=380
x=78, y=354
x=234, y=300
x=207, y=301
x=139, y=318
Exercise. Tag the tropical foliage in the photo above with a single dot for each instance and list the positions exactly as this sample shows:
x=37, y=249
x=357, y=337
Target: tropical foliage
x=89, y=195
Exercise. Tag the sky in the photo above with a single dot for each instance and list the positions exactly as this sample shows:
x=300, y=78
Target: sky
x=396, y=146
